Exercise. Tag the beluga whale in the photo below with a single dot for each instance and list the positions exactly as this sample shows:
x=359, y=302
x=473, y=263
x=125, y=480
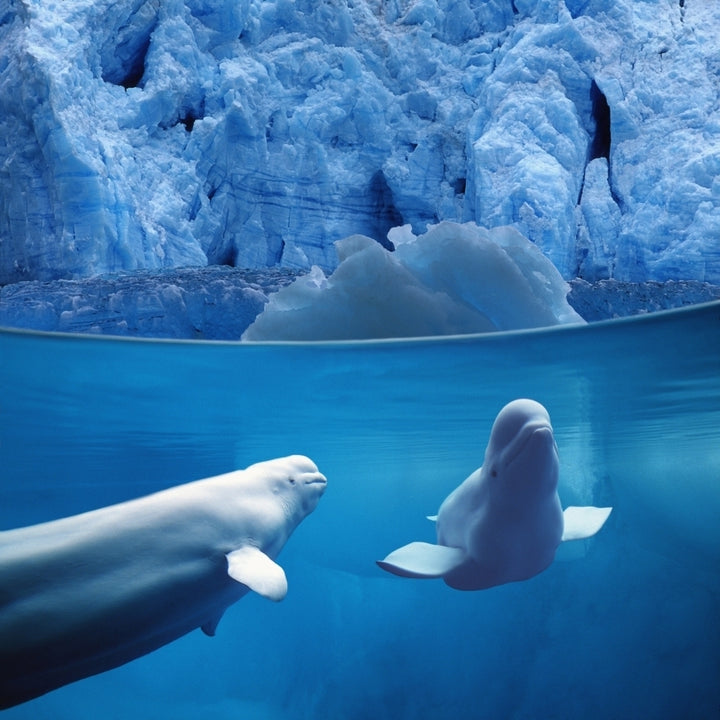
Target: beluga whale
x=87, y=593
x=504, y=523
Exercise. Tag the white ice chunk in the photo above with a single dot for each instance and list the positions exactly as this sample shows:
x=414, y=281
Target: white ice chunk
x=453, y=279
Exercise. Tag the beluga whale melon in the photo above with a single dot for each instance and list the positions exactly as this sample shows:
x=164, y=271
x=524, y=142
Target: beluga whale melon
x=504, y=523
x=87, y=593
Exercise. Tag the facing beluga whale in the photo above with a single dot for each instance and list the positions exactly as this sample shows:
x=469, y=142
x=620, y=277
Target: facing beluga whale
x=87, y=593
x=504, y=522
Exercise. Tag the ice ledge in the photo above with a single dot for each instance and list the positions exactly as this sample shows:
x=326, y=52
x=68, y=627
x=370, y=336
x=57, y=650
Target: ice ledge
x=219, y=303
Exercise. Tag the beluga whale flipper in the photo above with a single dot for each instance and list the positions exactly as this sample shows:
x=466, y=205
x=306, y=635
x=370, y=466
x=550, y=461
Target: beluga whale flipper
x=87, y=593
x=504, y=522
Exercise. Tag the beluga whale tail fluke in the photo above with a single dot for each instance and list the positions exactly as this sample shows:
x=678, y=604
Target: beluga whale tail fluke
x=87, y=593
x=504, y=523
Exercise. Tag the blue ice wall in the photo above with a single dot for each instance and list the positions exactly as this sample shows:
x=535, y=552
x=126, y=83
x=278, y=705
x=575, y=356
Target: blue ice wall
x=145, y=134
x=625, y=627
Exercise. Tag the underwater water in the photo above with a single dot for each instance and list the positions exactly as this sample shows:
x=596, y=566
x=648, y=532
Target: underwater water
x=626, y=625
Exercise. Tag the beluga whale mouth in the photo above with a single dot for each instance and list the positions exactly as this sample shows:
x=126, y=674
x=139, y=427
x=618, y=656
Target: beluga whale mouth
x=535, y=430
x=315, y=479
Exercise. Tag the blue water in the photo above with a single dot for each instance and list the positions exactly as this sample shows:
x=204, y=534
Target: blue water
x=628, y=627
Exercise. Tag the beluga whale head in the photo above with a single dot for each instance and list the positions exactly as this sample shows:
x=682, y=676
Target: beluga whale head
x=275, y=495
x=521, y=455
x=296, y=480
x=504, y=522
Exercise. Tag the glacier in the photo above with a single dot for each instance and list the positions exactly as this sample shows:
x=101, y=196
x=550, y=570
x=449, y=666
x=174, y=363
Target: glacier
x=161, y=134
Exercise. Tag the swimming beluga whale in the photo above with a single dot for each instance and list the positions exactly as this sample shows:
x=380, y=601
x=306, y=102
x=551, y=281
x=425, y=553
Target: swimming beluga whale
x=504, y=522
x=87, y=593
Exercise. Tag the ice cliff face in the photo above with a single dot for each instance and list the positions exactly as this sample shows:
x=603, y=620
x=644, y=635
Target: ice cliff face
x=165, y=133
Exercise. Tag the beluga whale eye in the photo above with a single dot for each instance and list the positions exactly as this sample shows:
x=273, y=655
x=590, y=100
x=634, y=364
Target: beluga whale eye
x=292, y=480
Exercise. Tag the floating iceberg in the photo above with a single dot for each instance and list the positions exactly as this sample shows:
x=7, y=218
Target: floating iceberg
x=452, y=279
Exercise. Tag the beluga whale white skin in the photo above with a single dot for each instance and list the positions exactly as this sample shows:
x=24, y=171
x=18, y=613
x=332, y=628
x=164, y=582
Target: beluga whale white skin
x=87, y=593
x=504, y=522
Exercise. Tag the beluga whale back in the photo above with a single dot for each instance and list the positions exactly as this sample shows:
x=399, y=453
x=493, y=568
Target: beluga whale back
x=504, y=522
x=87, y=593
